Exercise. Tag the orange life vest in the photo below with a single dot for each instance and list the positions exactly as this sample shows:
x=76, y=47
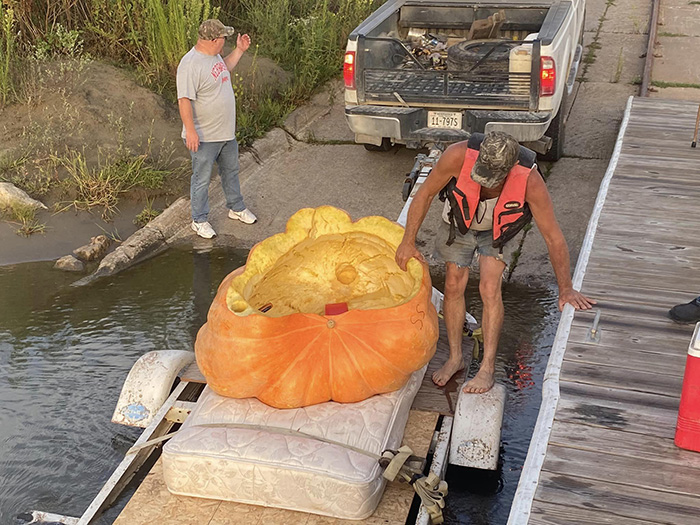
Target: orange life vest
x=511, y=213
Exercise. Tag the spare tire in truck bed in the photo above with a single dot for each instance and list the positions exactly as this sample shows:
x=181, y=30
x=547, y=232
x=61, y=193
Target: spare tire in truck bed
x=493, y=54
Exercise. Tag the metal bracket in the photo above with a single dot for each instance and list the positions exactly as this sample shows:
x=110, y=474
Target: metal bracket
x=46, y=518
x=593, y=335
x=179, y=411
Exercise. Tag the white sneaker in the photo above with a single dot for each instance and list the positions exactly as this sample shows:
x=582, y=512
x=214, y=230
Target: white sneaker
x=203, y=229
x=246, y=216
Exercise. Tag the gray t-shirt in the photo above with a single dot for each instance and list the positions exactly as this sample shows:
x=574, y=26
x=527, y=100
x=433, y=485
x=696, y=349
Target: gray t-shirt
x=206, y=81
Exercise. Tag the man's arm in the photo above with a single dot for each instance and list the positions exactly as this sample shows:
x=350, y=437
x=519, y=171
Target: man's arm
x=242, y=45
x=542, y=209
x=187, y=116
x=448, y=166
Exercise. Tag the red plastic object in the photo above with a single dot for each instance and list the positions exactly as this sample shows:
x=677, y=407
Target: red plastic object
x=688, y=426
x=336, y=308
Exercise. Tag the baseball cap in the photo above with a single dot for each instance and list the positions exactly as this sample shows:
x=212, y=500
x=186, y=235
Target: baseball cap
x=213, y=28
x=497, y=155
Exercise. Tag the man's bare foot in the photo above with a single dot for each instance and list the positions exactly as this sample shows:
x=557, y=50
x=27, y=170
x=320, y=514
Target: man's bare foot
x=450, y=368
x=480, y=383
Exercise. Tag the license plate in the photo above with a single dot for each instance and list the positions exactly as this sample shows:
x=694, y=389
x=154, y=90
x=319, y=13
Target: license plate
x=445, y=119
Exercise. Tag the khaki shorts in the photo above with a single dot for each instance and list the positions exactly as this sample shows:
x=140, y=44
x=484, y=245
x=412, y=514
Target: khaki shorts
x=461, y=252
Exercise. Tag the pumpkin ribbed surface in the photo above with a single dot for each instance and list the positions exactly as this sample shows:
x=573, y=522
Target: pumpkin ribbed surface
x=267, y=335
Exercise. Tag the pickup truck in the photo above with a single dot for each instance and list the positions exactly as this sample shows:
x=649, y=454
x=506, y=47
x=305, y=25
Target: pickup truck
x=420, y=72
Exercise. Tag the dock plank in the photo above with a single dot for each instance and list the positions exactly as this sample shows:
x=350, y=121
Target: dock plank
x=621, y=378
x=615, y=408
x=647, y=317
x=551, y=514
x=665, y=362
x=617, y=501
x=621, y=442
x=663, y=297
x=619, y=335
x=632, y=471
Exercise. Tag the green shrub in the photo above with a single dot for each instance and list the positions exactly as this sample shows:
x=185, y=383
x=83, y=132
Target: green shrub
x=59, y=42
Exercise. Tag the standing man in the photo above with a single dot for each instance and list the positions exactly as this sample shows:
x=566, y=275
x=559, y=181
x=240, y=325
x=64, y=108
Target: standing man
x=491, y=197
x=208, y=111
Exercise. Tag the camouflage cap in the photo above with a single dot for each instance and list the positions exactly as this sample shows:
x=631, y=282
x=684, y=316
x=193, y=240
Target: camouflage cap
x=497, y=155
x=213, y=28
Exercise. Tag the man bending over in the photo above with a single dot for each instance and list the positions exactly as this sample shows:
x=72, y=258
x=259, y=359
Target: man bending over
x=492, y=192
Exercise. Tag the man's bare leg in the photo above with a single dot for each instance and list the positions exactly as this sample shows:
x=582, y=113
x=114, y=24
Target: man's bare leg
x=491, y=323
x=454, y=309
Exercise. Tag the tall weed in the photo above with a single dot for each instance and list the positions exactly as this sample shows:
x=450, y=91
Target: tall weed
x=8, y=45
x=171, y=29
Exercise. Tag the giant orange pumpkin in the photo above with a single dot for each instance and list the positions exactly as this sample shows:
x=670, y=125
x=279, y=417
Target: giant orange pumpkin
x=267, y=334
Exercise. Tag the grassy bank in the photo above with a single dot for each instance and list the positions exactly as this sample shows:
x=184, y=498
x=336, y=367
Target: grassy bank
x=58, y=39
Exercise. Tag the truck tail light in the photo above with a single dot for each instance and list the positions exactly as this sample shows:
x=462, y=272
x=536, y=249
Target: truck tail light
x=349, y=70
x=548, y=76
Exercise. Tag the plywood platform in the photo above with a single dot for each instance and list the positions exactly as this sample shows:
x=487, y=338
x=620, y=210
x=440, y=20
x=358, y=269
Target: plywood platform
x=153, y=504
x=610, y=457
x=430, y=397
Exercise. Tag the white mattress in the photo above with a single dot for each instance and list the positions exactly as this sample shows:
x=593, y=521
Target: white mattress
x=277, y=469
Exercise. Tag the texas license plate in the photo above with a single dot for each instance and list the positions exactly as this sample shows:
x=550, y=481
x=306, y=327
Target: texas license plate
x=445, y=119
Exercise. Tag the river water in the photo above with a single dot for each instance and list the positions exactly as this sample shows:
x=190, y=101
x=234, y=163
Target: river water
x=65, y=352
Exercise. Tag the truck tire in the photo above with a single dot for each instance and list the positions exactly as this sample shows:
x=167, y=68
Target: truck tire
x=557, y=132
x=384, y=146
x=464, y=55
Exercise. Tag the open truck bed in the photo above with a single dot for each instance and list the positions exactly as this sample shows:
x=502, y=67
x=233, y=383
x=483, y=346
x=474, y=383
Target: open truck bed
x=425, y=71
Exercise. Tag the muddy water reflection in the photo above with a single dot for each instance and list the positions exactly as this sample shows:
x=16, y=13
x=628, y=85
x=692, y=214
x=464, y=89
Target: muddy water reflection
x=64, y=354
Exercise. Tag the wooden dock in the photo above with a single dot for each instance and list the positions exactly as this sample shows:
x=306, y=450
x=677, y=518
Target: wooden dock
x=603, y=450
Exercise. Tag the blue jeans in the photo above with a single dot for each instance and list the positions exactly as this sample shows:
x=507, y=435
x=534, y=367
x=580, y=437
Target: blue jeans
x=225, y=154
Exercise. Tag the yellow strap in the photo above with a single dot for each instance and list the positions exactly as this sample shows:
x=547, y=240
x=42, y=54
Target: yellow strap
x=432, y=491
x=478, y=338
x=476, y=335
x=397, y=464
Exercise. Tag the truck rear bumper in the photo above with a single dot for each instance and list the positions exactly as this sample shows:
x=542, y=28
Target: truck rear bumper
x=409, y=125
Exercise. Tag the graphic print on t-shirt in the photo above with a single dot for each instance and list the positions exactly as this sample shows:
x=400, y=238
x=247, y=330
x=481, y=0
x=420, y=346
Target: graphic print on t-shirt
x=219, y=67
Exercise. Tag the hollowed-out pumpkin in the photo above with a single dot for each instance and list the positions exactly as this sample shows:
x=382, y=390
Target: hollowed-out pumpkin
x=268, y=334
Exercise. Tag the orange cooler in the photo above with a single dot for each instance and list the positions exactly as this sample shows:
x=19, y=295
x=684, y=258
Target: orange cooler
x=688, y=426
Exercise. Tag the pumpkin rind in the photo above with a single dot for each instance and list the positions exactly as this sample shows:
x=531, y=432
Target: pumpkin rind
x=297, y=359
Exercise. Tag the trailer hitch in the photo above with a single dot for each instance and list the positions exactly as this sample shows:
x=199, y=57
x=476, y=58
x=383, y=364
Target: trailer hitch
x=421, y=169
x=411, y=179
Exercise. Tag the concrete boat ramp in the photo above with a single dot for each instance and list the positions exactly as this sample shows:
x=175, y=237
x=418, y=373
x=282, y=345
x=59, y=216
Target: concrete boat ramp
x=603, y=449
